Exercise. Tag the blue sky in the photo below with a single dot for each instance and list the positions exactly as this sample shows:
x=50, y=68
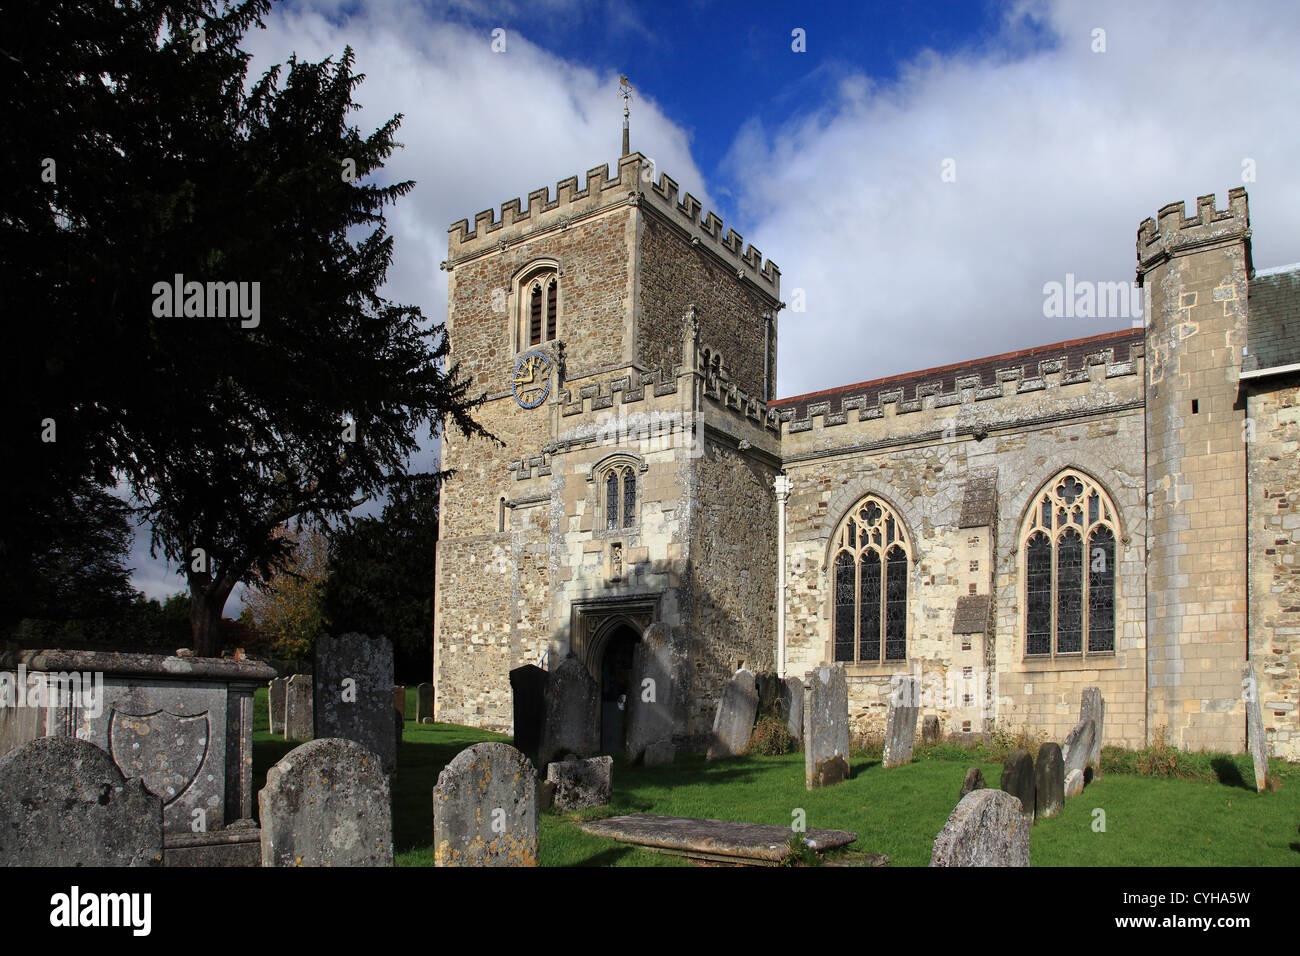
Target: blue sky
x=919, y=173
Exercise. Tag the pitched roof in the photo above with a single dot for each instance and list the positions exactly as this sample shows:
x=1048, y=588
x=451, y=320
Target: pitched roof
x=1273, y=326
x=1073, y=351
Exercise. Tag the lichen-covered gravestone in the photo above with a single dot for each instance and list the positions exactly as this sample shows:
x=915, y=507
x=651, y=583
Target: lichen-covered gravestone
x=1077, y=748
x=275, y=700
x=826, y=726
x=1018, y=779
x=650, y=697
x=327, y=803
x=790, y=706
x=974, y=781
x=986, y=829
x=424, y=703
x=353, y=679
x=572, y=722
x=930, y=729
x=528, y=698
x=299, y=722
x=1092, y=706
x=900, y=724
x=1049, y=782
x=580, y=784
x=734, y=720
x=485, y=809
x=1073, y=783
x=63, y=802
x=1255, y=726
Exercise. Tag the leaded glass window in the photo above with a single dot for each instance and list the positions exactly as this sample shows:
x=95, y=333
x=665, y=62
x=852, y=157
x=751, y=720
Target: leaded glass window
x=620, y=496
x=870, y=578
x=1068, y=544
x=611, y=499
x=629, y=497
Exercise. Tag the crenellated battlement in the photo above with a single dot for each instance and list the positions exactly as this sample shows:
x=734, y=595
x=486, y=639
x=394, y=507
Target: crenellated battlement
x=1172, y=232
x=628, y=188
x=974, y=382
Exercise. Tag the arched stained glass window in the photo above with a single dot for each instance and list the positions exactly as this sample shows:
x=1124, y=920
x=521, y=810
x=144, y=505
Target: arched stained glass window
x=872, y=559
x=1068, y=543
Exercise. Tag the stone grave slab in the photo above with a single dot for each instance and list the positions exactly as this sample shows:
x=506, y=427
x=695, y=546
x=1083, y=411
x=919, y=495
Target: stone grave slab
x=717, y=840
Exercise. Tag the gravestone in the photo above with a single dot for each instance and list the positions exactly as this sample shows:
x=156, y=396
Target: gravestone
x=327, y=803
x=424, y=703
x=353, y=681
x=826, y=726
x=399, y=700
x=580, y=784
x=528, y=700
x=572, y=713
x=485, y=809
x=790, y=704
x=64, y=802
x=987, y=828
x=275, y=700
x=1078, y=746
x=900, y=724
x=1018, y=779
x=1255, y=726
x=1092, y=706
x=930, y=729
x=734, y=720
x=1073, y=783
x=974, y=781
x=650, y=697
x=660, y=752
x=1049, y=782
x=299, y=722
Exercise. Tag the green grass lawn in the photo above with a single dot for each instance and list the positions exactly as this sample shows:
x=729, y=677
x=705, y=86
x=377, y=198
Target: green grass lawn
x=1148, y=821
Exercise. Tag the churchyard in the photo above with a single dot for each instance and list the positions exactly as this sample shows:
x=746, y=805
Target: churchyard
x=1212, y=817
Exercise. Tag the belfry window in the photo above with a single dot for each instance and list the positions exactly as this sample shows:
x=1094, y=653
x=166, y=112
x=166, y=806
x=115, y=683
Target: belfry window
x=1068, y=543
x=869, y=577
x=539, y=306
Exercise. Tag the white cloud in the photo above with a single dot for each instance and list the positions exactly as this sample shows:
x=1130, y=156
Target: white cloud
x=1059, y=153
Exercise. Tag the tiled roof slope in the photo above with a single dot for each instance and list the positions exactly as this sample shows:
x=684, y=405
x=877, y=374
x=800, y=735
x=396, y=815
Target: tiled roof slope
x=1074, y=351
x=1273, y=329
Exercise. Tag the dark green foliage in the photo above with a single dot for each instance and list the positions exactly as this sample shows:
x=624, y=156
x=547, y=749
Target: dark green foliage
x=770, y=737
x=166, y=166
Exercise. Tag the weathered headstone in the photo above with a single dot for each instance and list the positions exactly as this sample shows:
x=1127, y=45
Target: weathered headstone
x=528, y=700
x=1255, y=726
x=974, y=781
x=1049, y=782
x=987, y=828
x=1018, y=779
x=1077, y=748
x=327, y=803
x=651, y=700
x=900, y=724
x=580, y=784
x=1092, y=706
x=353, y=680
x=660, y=752
x=734, y=720
x=930, y=729
x=1073, y=783
x=64, y=802
x=572, y=713
x=299, y=722
x=790, y=703
x=275, y=700
x=424, y=703
x=826, y=726
x=485, y=809
x=399, y=699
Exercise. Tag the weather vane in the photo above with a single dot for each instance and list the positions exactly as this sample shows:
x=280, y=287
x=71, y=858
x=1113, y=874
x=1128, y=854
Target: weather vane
x=625, y=91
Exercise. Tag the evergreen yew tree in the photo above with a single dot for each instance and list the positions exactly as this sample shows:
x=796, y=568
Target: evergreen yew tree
x=136, y=153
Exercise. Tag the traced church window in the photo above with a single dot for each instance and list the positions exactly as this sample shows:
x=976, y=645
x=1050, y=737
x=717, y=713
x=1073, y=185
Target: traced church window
x=620, y=496
x=873, y=556
x=1068, y=543
x=539, y=298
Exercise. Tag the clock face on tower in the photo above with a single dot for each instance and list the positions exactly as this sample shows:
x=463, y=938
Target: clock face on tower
x=532, y=382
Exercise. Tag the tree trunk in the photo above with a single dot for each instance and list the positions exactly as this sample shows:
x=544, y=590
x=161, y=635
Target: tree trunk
x=207, y=601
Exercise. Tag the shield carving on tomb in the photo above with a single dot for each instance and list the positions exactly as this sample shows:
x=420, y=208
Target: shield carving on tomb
x=164, y=749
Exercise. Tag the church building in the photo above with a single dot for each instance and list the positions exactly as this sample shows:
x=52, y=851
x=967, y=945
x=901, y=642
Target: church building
x=1119, y=511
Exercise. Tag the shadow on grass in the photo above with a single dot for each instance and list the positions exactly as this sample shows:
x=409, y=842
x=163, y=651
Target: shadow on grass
x=1229, y=774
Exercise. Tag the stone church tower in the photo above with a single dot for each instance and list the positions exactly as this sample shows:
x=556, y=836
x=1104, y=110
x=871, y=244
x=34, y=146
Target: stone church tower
x=627, y=348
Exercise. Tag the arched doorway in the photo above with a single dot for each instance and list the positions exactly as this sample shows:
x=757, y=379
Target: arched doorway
x=616, y=685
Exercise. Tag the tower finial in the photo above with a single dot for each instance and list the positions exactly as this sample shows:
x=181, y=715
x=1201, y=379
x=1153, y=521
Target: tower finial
x=625, y=90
